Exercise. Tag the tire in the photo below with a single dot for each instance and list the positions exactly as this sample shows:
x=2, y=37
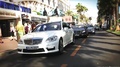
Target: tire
x=93, y=32
x=61, y=48
x=85, y=36
x=73, y=42
x=24, y=55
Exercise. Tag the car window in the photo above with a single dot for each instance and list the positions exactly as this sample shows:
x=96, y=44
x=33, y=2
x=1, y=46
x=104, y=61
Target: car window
x=66, y=25
x=77, y=26
x=48, y=27
x=90, y=26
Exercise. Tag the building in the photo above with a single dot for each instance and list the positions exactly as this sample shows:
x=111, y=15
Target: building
x=9, y=14
x=38, y=6
x=28, y=10
x=63, y=5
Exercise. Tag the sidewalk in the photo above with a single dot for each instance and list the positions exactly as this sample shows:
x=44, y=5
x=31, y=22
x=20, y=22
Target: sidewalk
x=113, y=33
x=8, y=46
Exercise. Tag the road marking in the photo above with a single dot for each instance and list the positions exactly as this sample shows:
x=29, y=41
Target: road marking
x=84, y=41
x=64, y=65
x=76, y=50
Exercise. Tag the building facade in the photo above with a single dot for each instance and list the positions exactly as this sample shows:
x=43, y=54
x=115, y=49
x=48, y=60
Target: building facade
x=39, y=5
x=9, y=15
x=10, y=10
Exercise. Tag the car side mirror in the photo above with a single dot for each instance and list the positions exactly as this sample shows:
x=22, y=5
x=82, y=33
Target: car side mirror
x=65, y=28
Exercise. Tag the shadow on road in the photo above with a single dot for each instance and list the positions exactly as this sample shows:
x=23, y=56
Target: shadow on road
x=103, y=49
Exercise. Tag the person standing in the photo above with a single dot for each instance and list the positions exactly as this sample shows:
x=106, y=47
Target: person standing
x=20, y=29
x=26, y=28
x=44, y=12
x=29, y=27
x=33, y=25
x=12, y=31
x=56, y=11
x=1, y=41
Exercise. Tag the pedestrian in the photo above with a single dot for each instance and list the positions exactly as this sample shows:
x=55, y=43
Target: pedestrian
x=19, y=29
x=33, y=25
x=56, y=11
x=1, y=37
x=12, y=31
x=1, y=40
x=29, y=27
x=26, y=29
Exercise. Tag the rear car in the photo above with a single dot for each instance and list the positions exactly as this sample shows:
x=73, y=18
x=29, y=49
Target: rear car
x=80, y=31
x=97, y=27
x=91, y=29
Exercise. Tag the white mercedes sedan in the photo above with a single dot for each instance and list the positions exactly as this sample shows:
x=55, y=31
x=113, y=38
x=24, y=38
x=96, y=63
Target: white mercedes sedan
x=47, y=38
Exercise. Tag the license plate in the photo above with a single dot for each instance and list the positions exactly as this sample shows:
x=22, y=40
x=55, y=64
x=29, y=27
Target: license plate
x=32, y=47
x=76, y=34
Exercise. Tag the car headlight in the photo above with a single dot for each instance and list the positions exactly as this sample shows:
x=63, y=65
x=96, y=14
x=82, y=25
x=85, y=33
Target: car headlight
x=51, y=39
x=83, y=31
x=20, y=42
x=92, y=29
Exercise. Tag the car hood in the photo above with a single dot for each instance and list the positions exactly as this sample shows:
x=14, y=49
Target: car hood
x=44, y=34
x=90, y=27
x=78, y=29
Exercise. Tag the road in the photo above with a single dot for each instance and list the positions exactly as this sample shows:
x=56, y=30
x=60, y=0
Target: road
x=98, y=50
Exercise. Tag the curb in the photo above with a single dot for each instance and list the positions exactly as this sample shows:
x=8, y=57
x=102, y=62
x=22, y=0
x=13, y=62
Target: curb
x=113, y=33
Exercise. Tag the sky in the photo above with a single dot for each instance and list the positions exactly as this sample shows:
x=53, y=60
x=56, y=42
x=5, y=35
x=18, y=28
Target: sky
x=90, y=4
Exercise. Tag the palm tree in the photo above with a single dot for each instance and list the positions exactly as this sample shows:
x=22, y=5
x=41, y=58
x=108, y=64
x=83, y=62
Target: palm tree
x=81, y=10
x=69, y=13
x=75, y=16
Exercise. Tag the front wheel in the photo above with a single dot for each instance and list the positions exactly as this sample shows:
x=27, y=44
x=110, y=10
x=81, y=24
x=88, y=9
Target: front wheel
x=73, y=40
x=61, y=48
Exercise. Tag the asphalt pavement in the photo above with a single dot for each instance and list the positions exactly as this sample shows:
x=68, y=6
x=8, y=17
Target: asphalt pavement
x=7, y=47
x=98, y=50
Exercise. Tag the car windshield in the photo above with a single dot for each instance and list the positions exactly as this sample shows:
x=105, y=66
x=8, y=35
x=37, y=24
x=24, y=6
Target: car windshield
x=48, y=27
x=90, y=25
x=77, y=26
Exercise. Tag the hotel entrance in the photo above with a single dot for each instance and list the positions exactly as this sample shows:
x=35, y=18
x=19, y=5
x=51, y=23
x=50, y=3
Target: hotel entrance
x=5, y=28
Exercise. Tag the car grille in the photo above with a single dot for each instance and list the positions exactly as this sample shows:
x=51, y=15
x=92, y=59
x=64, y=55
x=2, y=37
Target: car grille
x=32, y=41
x=35, y=50
x=77, y=32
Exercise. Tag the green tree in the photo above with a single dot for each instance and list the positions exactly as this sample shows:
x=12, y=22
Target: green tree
x=108, y=9
x=81, y=10
x=69, y=13
x=75, y=16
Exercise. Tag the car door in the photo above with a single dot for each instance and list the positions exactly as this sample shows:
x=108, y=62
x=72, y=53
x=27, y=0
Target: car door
x=70, y=34
x=66, y=30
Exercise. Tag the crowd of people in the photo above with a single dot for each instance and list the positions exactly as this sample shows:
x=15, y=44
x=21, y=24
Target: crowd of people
x=21, y=29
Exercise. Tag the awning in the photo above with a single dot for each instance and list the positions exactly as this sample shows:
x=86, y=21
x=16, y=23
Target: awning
x=8, y=14
x=38, y=18
x=3, y=17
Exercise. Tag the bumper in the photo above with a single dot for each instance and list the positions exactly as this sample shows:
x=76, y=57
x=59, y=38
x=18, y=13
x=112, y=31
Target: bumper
x=81, y=34
x=91, y=31
x=38, y=49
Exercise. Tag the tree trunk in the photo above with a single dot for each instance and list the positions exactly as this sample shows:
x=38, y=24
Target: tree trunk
x=114, y=16
x=116, y=13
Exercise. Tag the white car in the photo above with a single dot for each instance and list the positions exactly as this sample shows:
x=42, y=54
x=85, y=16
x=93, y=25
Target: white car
x=47, y=38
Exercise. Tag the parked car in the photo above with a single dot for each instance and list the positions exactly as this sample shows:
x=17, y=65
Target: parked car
x=47, y=38
x=80, y=30
x=91, y=29
x=104, y=26
x=97, y=27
